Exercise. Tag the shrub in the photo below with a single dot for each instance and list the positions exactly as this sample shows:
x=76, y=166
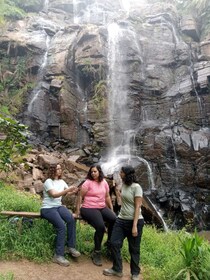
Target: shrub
x=162, y=259
x=195, y=257
x=14, y=141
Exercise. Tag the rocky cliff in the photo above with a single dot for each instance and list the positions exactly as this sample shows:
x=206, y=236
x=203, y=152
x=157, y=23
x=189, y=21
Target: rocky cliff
x=125, y=84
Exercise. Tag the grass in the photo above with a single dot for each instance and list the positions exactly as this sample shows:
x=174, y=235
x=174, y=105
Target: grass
x=8, y=276
x=14, y=200
x=164, y=255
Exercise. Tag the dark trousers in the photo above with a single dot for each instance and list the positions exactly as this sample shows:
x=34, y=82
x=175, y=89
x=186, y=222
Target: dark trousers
x=97, y=218
x=60, y=218
x=123, y=229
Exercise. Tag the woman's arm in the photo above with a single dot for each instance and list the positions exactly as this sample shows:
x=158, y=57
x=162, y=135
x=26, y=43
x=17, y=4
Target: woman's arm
x=118, y=196
x=137, y=206
x=53, y=193
x=108, y=201
x=78, y=203
x=81, y=194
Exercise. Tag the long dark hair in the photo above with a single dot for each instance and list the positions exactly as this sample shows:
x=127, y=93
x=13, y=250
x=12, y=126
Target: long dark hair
x=129, y=172
x=52, y=171
x=101, y=174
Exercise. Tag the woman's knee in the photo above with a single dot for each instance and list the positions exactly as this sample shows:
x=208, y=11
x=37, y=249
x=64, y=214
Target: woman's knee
x=70, y=219
x=61, y=227
x=100, y=227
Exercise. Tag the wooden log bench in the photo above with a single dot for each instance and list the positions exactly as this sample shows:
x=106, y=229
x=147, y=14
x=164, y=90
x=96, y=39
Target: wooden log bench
x=28, y=215
x=21, y=214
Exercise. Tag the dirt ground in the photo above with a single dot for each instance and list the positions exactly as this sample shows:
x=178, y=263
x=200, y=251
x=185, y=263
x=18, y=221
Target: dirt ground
x=80, y=269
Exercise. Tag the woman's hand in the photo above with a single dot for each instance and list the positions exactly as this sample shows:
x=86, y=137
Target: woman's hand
x=134, y=231
x=72, y=190
x=76, y=215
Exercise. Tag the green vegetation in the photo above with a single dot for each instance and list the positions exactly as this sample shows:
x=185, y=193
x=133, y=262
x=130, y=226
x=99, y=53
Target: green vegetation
x=195, y=260
x=8, y=276
x=164, y=255
x=99, y=98
x=13, y=141
x=95, y=73
x=16, y=9
x=14, y=200
x=200, y=9
x=10, y=11
x=29, y=5
x=13, y=83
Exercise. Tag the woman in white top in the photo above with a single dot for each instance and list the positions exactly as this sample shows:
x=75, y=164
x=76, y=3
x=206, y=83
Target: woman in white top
x=129, y=224
x=58, y=215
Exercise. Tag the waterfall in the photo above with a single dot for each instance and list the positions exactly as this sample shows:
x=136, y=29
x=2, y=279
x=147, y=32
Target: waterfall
x=155, y=211
x=93, y=12
x=125, y=5
x=194, y=85
x=118, y=86
x=75, y=11
x=38, y=89
x=45, y=6
x=122, y=131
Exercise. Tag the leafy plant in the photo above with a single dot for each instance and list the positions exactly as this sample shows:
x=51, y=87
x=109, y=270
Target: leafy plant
x=13, y=141
x=193, y=254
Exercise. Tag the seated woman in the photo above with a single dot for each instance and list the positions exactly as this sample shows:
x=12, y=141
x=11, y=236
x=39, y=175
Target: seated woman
x=96, y=208
x=58, y=215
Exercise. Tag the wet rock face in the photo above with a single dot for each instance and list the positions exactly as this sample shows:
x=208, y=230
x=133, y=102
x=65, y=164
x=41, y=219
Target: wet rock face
x=78, y=63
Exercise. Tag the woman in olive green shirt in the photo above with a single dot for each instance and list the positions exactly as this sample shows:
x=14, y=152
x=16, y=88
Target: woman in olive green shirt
x=129, y=224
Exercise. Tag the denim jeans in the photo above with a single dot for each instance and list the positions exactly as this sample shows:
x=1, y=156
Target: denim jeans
x=97, y=218
x=123, y=229
x=60, y=217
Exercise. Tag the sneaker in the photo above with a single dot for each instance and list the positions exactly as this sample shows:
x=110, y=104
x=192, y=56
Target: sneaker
x=135, y=277
x=96, y=258
x=61, y=260
x=73, y=252
x=112, y=272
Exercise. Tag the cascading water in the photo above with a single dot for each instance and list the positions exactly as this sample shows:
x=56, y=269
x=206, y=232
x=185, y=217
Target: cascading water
x=76, y=11
x=156, y=212
x=125, y=4
x=122, y=128
x=191, y=69
x=118, y=101
x=118, y=85
x=38, y=89
x=46, y=5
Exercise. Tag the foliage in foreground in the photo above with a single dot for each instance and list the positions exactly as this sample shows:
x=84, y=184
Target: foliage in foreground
x=164, y=255
x=167, y=255
x=14, y=141
x=8, y=276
